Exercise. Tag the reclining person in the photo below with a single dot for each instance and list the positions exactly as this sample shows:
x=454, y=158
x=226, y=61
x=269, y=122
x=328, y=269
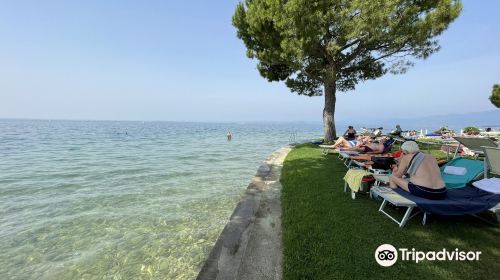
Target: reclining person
x=369, y=157
x=422, y=171
x=346, y=144
x=369, y=147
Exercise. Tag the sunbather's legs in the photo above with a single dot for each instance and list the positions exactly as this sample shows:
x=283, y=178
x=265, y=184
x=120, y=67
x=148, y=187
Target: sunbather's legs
x=341, y=141
x=394, y=182
x=362, y=157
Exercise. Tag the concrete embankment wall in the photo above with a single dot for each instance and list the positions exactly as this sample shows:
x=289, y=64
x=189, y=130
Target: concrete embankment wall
x=250, y=245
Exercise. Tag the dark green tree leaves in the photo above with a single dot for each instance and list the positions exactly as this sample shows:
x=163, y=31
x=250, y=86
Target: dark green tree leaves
x=315, y=45
x=495, y=96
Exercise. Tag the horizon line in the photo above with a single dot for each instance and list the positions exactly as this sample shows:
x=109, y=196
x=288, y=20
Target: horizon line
x=171, y=121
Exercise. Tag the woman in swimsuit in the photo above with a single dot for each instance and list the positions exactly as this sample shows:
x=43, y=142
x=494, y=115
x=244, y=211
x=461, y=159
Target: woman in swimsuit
x=349, y=144
x=372, y=148
x=350, y=133
x=423, y=172
x=368, y=147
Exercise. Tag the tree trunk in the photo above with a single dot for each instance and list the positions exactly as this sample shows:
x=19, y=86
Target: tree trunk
x=329, y=112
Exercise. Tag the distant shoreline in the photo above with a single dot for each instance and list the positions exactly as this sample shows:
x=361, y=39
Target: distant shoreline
x=481, y=119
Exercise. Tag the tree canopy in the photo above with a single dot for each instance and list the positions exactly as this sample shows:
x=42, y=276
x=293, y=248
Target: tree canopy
x=320, y=46
x=495, y=96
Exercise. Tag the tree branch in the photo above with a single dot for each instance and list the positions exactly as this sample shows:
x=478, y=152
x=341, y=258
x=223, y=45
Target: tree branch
x=393, y=52
x=350, y=44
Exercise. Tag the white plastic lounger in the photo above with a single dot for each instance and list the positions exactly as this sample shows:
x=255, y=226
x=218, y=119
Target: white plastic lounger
x=496, y=211
x=389, y=196
x=348, y=154
x=345, y=156
x=326, y=149
x=381, y=179
x=357, y=163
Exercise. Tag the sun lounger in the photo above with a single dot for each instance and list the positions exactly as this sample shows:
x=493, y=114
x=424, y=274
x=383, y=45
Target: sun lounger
x=381, y=179
x=475, y=169
x=359, y=167
x=464, y=201
x=326, y=149
x=345, y=156
x=491, y=161
x=353, y=180
x=474, y=144
x=496, y=211
x=390, y=196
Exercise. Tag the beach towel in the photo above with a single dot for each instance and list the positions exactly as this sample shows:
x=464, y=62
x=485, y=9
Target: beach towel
x=491, y=185
x=455, y=170
x=354, y=177
x=388, y=145
x=415, y=164
x=467, y=200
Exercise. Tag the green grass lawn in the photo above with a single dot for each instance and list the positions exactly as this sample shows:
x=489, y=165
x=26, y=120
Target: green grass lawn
x=327, y=235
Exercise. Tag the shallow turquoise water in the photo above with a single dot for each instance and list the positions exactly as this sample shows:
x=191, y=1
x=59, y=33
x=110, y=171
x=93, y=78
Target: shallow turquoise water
x=123, y=200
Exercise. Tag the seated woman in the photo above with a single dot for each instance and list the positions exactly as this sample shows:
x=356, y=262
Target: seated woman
x=423, y=173
x=397, y=132
x=350, y=133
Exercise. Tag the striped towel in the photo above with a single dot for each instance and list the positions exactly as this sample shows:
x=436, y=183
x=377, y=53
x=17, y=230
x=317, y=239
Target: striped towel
x=354, y=177
x=415, y=162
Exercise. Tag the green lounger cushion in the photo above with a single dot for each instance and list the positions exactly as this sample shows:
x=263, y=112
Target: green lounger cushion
x=474, y=169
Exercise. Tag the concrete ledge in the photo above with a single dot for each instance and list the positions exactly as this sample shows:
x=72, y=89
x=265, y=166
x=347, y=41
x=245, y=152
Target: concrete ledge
x=250, y=245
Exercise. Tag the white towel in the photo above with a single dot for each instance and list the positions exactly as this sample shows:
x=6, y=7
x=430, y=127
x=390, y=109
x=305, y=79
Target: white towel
x=455, y=170
x=491, y=185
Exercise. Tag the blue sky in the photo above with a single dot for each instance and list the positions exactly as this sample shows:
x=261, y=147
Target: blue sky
x=181, y=61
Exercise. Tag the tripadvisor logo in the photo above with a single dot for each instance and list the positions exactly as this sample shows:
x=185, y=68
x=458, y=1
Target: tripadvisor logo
x=387, y=255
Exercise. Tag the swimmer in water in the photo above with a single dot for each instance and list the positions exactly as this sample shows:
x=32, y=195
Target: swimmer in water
x=229, y=136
